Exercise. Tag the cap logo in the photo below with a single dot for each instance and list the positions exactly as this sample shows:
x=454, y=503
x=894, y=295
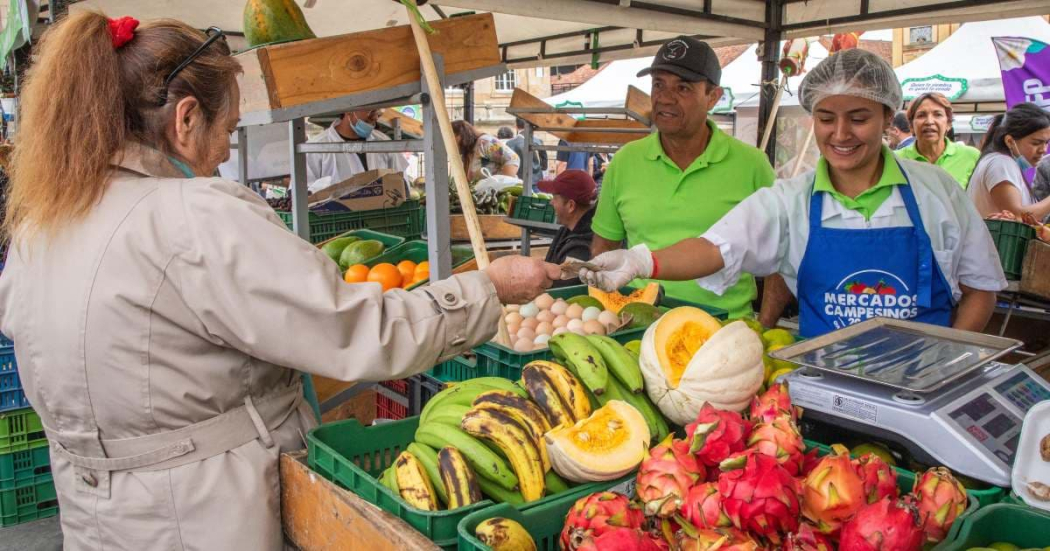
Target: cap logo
x=675, y=49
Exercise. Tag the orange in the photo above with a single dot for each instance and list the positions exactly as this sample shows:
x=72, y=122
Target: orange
x=423, y=267
x=407, y=269
x=358, y=273
x=385, y=274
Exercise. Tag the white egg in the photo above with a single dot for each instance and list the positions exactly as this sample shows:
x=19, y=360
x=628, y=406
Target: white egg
x=513, y=318
x=594, y=327
x=576, y=326
x=512, y=307
x=545, y=316
x=542, y=339
x=574, y=311
x=560, y=330
x=544, y=329
x=529, y=310
x=608, y=318
x=560, y=321
x=544, y=301
x=559, y=306
x=523, y=345
x=590, y=313
x=526, y=333
x=531, y=323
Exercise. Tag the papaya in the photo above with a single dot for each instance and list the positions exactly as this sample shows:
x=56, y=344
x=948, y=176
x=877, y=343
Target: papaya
x=334, y=248
x=585, y=302
x=614, y=302
x=642, y=314
x=360, y=252
x=268, y=21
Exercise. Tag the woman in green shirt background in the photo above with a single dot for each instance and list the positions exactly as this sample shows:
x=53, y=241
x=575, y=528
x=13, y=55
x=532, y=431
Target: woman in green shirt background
x=931, y=117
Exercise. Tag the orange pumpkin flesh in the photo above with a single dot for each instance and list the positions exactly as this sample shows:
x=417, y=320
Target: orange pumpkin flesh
x=679, y=334
x=614, y=302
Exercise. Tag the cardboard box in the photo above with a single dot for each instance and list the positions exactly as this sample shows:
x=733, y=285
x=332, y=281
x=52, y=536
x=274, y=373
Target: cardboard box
x=381, y=188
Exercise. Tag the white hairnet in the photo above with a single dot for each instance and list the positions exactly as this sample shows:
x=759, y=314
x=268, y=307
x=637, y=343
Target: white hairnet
x=852, y=72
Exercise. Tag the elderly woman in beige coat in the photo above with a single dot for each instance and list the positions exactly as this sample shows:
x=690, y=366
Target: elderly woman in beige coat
x=160, y=315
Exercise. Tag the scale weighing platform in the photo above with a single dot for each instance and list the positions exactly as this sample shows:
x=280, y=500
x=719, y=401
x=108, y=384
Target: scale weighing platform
x=936, y=391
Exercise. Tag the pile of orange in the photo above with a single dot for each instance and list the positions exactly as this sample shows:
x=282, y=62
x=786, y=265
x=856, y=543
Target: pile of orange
x=405, y=274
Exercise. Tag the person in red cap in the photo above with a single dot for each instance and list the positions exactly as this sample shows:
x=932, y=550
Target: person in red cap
x=574, y=193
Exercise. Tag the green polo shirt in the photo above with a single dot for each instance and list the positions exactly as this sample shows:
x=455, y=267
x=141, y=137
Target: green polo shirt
x=646, y=198
x=870, y=199
x=958, y=159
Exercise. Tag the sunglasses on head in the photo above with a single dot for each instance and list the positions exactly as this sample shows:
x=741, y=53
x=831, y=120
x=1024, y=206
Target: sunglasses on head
x=213, y=34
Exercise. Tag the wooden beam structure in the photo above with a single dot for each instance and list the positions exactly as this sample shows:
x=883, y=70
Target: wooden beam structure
x=558, y=121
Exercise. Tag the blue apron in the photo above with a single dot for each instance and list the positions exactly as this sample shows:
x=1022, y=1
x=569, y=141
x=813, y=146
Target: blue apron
x=850, y=275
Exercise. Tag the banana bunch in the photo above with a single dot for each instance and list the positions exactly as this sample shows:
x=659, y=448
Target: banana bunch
x=491, y=201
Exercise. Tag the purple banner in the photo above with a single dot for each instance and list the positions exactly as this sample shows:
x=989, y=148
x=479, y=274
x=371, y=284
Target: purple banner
x=1025, y=66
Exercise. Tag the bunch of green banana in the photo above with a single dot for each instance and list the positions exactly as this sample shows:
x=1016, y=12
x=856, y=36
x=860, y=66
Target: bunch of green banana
x=580, y=357
x=557, y=393
x=483, y=461
x=463, y=394
x=622, y=364
x=503, y=534
x=515, y=442
x=413, y=483
x=458, y=478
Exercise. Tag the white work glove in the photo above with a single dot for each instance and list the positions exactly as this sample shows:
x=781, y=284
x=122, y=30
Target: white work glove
x=618, y=268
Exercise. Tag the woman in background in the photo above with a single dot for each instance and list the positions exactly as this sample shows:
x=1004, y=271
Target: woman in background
x=1014, y=144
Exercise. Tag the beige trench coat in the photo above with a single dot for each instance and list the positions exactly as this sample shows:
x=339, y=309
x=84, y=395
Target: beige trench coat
x=157, y=339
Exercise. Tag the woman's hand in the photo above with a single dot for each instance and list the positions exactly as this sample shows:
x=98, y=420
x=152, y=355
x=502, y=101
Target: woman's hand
x=618, y=268
x=519, y=279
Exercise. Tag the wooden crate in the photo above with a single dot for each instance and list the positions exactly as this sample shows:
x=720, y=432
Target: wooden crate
x=306, y=71
x=493, y=228
x=1035, y=273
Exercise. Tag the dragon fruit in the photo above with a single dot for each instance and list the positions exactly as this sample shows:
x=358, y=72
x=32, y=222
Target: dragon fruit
x=720, y=539
x=702, y=507
x=889, y=524
x=598, y=513
x=809, y=461
x=772, y=404
x=759, y=495
x=807, y=538
x=880, y=479
x=781, y=440
x=833, y=492
x=940, y=499
x=666, y=476
x=620, y=539
x=717, y=434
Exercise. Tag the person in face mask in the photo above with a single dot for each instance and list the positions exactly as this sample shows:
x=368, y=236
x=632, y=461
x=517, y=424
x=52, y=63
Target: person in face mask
x=352, y=126
x=1014, y=144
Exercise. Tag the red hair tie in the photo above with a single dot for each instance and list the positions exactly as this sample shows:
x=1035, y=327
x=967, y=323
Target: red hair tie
x=122, y=30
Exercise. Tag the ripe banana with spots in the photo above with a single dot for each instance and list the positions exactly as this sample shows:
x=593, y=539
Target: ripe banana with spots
x=520, y=449
x=485, y=462
x=458, y=478
x=543, y=392
x=464, y=393
x=622, y=364
x=413, y=483
x=582, y=359
x=572, y=393
x=429, y=459
x=503, y=534
x=523, y=411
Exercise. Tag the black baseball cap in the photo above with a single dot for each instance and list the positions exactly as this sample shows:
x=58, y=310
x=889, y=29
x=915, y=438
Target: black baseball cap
x=691, y=59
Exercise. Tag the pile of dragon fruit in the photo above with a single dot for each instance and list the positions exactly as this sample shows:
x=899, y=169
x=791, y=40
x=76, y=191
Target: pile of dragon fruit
x=738, y=484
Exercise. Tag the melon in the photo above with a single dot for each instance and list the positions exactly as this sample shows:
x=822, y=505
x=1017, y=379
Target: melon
x=614, y=302
x=610, y=443
x=270, y=21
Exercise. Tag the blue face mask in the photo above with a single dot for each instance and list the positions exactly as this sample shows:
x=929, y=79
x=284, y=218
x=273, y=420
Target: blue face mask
x=183, y=168
x=1021, y=160
x=363, y=129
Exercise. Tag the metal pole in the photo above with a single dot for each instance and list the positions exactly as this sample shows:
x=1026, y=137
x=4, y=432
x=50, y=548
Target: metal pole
x=468, y=102
x=770, y=73
x=242, y=155
x=298, y=187
x=526, y=176
x=439, y=242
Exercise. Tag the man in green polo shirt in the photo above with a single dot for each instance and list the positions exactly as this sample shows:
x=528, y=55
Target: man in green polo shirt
x=676, y=183
x=930, y=116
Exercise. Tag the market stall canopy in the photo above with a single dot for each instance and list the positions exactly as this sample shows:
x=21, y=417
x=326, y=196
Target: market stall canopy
x=564, y=32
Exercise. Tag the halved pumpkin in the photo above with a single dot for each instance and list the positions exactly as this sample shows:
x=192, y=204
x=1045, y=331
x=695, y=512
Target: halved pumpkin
x=610, y=443
x=688, y=359
x=614, y=302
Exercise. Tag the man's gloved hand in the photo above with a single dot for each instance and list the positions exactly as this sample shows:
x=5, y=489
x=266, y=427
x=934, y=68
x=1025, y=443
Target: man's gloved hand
x=618, y=268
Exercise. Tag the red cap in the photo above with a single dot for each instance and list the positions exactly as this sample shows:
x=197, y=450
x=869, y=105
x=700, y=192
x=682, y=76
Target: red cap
x=571, y=184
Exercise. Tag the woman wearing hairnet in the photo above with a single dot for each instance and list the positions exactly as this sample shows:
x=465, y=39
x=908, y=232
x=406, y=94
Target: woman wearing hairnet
x=863, y=235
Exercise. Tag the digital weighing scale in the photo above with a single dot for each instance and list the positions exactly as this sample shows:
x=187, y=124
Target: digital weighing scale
x=936, y=391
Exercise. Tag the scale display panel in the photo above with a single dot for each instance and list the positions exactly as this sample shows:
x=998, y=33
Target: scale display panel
x=989, y=422
x=1021, y=391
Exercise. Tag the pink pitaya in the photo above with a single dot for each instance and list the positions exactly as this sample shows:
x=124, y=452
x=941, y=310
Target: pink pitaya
x=781, y=440
x=703, y=507
x=940, y=499
x=808, y=538
x=759, y=495
x=595, y=514
x=833, y=492
x=714, y=539
x=809, y=461
x=887, y=525
x=880, y=479
x=619, y=539
x=772, y=404
x=717, y=434
x=666, y=476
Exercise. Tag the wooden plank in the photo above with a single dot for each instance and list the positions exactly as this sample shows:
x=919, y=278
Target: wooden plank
x=307, y=71
x=492, y=227
x=639, y=103
x=361, y=407
x=317, y=515
x=580, y=135
x=408, y=124
x=1034, y=280
x=521, y=98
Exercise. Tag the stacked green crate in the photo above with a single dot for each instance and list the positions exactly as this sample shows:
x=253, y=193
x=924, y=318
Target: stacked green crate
x=27, y=490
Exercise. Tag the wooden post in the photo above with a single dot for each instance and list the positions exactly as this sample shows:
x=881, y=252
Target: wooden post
x=459, y=174
x=802, y=154
x=772, y=120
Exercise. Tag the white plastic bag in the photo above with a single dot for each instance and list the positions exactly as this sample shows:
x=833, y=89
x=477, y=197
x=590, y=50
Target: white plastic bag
x=496, y=183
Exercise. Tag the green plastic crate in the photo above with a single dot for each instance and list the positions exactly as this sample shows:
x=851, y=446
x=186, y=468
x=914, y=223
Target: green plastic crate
x=1020, y=525
x=405, y=220
x=388, y=241
x=28, y=502
x=417, y=252
x=499, y=361
x=24, y=467
x=457, y=369
x=1011, y=240
x=21, y=430
x=535, y=209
